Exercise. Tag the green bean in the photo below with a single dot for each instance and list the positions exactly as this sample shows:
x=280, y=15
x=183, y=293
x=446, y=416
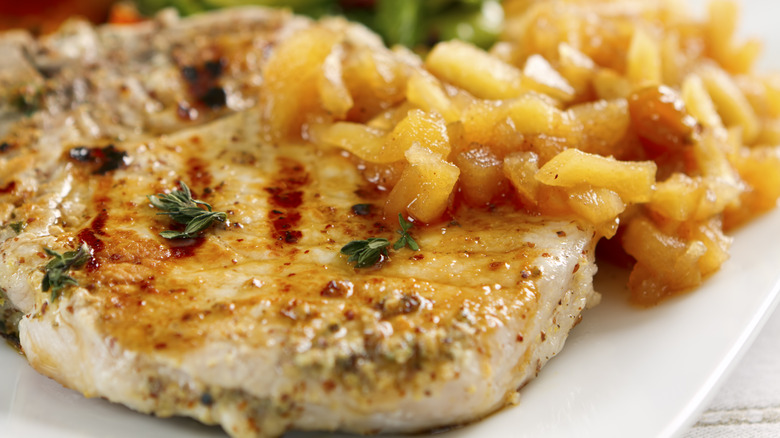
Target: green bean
x=479, y=25
x=398, y=21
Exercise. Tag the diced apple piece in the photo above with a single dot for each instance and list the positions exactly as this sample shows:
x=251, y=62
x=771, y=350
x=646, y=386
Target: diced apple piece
x=486, y=122
x=520, y=168
x=334, y=94
x=291, y=86
x=699, y=103
x=540, y=76
x=665, y=263
x=481, y=174
x=721, y=30
x=604, y=123
x=376, y=82
x=426, y=129
x=599, y=206
x=759, y=168
x=376, y=146
x=677, y=198
x=425, y=186
x=609, y=84
x=731, y=103
x=576, y=67
x=643, y=60
x=632, y=180
x=426, y=93
x=534, y=113
x=772, y=93
x=710, y=233
x=474, y=70
x=363, y=141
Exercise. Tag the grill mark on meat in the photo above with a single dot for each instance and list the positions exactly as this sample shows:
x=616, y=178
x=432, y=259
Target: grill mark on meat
x=203, y=83
x=198, y=173
x=89, y=237
x=8, y=188
x=286, y=196
x=104, y=159
x=283, y=223
x=186, y=247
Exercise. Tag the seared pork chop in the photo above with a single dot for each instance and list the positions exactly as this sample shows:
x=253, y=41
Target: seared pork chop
x=258, y=324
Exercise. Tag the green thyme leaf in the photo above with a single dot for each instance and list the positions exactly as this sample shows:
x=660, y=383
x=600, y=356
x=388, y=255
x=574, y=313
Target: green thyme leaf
x=181, y=208
x=170, y=234
x=365, y=253
x=18, y=227
x=405, y=239
x=56, y=275
x=369, y=252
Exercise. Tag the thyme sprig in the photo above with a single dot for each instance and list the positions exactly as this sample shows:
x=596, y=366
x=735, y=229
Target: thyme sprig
x=405, y=239
x=56, y=275
x=365, y=253
x=369, y=252
x=181, y=208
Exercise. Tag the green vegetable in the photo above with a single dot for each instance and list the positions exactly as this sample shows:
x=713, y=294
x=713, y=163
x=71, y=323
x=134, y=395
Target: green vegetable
x=399, y=21
x=369, y=252
x=480, y=25
x=413, y=23
x=188, y=7
x=180, y=206
x=56, y=275
x=299, y=6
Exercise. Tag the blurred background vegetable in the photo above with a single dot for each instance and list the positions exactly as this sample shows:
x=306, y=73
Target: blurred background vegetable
x=412, y=23
x=44, y=16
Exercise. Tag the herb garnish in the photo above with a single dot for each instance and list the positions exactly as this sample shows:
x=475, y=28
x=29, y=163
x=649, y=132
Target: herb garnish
x=180, y=206
x=405, y=239
x=369, y=252
x=56, y=275
x=18, y=227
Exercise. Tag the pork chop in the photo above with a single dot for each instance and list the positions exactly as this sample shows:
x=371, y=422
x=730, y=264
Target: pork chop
x=259, y=323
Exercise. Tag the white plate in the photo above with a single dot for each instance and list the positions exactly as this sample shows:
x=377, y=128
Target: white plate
x=623, y=372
